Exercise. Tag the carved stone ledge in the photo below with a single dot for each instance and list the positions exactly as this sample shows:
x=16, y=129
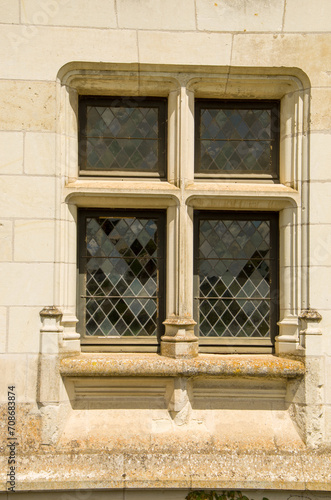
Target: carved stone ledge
x=206, y=365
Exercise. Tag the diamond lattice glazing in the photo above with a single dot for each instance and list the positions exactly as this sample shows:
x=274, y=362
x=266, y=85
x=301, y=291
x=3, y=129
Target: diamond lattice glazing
x=121, y=276
x=235, y=140
x=234, y=277
x=122, y=138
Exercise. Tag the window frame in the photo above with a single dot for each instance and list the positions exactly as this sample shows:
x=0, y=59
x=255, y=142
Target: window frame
x=243, y=344
x=290, y=86
x=127, y=342
x=117, y=101
x=272, y=105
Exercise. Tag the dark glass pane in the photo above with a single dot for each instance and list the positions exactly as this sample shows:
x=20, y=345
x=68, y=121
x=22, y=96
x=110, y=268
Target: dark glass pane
x=122, y=154
x=122, y=122
x=234, y=238
x=236, y=124
x=122, y=135
x=121, y=276
x=234, y=277
x=236, y=156
x=238, y=139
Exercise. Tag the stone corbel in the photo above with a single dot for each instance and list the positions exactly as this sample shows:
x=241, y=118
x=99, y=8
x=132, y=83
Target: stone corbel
x=180, y=405
x=179, y=340
x=311, y=334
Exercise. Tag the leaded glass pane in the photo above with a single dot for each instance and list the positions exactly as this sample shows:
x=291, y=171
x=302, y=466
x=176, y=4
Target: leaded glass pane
x=236, y=156
x=122, y=135
x=122, y=154
x=122, y=289
x=121, y=317
x=234, y=318
x=234, y=277
x=122, y=121
x=236, y=139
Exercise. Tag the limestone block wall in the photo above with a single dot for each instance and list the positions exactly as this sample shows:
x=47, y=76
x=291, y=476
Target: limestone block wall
x=53, y=50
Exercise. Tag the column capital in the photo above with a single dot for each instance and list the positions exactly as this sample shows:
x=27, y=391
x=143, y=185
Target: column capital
x=50, y=312
x=51, y=317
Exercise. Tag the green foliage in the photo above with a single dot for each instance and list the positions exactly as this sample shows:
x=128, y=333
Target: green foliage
x=212, y=495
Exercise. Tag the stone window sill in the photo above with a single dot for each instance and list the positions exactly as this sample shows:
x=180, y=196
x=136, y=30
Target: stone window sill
x=205, y=365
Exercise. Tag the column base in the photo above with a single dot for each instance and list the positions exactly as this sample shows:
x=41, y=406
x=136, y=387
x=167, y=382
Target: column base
x=179, y=350
x=287, y=346
x=287, y=342
x=179, y=341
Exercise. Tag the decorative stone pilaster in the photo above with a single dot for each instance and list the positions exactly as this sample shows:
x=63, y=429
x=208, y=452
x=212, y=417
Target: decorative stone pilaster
x=311, y=334
x=313, y=410
x=50, y=385
x=51, y=336
x=179, y=340
x=287, y=342
x=51, y=330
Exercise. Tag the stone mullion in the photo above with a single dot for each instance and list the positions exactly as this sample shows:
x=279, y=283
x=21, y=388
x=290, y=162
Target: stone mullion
x=179, y=340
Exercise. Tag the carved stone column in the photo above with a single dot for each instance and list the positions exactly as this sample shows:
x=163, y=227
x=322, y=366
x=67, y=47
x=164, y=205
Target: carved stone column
x=179, y=340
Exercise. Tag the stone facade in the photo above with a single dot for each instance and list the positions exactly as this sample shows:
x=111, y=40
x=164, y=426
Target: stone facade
x=137, y=424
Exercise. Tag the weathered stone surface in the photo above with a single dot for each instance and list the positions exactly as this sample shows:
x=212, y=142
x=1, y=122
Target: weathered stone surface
x=11, y=144
x=64, y=13
x=32, y=105
x=6, y=239
x=313, y=16
x=35, y=287
x=163, y=16
x=9, y=11
x=234, y=15
x=241, y=470
x=89, y=364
